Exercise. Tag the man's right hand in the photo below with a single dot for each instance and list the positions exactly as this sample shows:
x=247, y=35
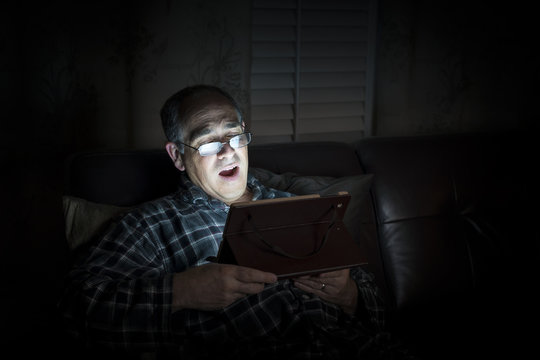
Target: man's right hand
x=215, y=286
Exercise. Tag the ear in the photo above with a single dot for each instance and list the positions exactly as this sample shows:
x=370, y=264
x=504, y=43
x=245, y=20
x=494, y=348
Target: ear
x=175, y=155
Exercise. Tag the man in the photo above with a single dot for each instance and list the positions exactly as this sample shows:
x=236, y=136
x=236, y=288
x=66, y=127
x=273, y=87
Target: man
x=147, y=284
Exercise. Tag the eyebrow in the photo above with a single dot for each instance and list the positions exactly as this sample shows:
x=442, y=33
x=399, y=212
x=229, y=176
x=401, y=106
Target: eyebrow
x=207, y=129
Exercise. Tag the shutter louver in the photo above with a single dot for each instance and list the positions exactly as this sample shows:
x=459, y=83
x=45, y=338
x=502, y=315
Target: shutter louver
x=309, y=70
x=273, y=70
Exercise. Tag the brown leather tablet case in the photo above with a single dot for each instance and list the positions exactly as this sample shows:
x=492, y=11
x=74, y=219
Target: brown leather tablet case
x=290, y=236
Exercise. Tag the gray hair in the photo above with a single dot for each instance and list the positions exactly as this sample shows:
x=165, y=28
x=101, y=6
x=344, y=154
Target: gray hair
x=174, y=113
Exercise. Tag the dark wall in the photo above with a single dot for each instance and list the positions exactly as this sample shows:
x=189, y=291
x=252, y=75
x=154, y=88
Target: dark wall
x=455, y=66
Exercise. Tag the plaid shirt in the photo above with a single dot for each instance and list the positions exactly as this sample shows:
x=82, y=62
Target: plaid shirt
x=120, y=295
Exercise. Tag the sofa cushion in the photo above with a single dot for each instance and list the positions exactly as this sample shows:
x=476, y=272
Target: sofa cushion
x=306, y=158
x=358, y=186
x=84, y=220
x=121, y=178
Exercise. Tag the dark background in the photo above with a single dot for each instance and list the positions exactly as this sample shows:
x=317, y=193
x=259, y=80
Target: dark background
x=75, y=75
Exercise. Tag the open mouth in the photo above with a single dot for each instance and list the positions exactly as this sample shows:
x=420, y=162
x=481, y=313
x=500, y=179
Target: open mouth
x=229, y=172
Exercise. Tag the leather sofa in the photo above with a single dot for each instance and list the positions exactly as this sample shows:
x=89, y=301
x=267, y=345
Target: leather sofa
x=450, y=227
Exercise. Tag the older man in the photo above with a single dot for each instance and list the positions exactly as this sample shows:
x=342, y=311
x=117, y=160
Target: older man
x=147, y=284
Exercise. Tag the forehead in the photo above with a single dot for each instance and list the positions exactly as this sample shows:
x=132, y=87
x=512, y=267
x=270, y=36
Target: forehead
x=209, y=114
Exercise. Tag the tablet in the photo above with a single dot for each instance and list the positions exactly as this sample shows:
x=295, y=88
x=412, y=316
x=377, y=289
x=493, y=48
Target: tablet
x=290, y=237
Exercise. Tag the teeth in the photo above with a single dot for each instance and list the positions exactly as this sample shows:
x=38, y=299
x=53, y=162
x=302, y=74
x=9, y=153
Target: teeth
x=229, y=168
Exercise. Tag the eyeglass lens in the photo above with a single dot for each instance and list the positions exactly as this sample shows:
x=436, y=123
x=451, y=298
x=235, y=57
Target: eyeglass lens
x=235, y=142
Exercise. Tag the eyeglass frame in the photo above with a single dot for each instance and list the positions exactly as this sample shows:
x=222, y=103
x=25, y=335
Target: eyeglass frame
x=221, y=144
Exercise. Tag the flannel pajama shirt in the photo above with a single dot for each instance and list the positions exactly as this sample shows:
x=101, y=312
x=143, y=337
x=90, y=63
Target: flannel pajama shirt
x=120, y=295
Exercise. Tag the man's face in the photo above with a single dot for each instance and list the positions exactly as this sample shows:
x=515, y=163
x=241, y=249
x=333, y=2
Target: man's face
x=223, y=175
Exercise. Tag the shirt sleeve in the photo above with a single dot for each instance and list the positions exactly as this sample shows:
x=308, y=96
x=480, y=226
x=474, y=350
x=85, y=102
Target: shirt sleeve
x=120, y=296
x=370, y=306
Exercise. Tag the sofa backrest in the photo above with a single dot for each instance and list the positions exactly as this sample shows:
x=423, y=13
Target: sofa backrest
x=122, y=178
x=307, y=158
x=129, y=177
x=455, y=215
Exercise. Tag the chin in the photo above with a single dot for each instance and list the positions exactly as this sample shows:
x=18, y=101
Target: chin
x=233, y=193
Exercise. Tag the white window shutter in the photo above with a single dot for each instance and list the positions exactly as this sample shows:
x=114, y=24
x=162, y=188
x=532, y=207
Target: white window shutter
x=311, y=72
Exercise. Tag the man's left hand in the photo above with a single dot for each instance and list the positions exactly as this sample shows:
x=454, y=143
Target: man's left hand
x=336, y=287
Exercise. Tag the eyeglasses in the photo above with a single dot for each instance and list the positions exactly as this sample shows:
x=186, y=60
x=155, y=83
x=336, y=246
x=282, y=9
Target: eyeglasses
x=212, y=148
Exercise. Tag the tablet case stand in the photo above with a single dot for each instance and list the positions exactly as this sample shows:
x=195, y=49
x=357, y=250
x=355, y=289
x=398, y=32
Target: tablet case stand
x=290, y=236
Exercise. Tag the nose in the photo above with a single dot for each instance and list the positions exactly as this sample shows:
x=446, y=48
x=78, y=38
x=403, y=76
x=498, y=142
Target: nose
x=226, y=151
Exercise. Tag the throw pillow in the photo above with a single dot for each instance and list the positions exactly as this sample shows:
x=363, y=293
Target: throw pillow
x=85, y=219
x=358, y=212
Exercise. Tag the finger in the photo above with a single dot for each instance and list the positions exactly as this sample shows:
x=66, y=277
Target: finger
x=314, y=277
x=334, y=274
x=249, y=288
x=322, y=293
x=303, y=286
x=307, y=282
x=314, y=285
